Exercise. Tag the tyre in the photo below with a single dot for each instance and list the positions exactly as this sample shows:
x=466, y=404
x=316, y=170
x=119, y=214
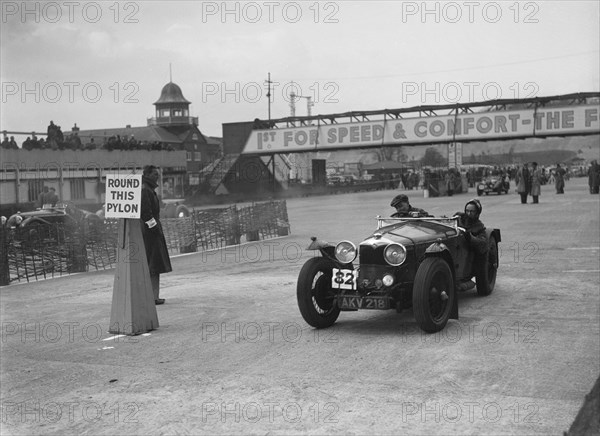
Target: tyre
x=316, y=299
x=486, y=269
x=479, y=192
x=433, y=294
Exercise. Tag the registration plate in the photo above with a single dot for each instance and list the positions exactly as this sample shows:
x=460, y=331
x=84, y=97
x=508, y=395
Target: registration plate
x=343, y=279
x=348, y=302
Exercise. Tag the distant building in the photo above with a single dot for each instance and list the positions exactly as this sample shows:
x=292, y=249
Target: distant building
x=172, y=126
x=170, y=140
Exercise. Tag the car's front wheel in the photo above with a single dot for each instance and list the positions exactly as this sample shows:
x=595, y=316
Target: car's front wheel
x=433, y=294
x=316, y=299
x=479, y=192
x=486, y=269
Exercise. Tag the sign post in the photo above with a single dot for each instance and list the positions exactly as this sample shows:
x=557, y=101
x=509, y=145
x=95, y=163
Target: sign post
x=133, y=309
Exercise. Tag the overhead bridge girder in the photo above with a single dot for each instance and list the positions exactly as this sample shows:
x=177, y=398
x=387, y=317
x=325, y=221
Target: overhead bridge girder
x=501, y=119
x=437, y=110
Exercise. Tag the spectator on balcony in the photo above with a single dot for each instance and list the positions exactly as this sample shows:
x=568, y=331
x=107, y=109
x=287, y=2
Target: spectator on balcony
x=75, y=142
x=90, y=145
x=12, y=144
x=27, y=145
x=35, y=144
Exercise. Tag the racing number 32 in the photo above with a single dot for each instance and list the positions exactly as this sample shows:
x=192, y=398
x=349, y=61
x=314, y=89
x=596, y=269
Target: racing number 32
x=343, y=279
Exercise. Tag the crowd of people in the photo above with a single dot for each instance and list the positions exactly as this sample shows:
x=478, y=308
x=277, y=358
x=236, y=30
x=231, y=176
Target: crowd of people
x=57, y=140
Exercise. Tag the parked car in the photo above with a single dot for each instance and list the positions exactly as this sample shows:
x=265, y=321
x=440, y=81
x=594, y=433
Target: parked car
x=406, y=262
x=497, y=184
x=43, y=221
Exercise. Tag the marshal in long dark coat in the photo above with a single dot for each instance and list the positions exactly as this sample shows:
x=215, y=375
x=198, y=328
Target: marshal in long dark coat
x=154, y=238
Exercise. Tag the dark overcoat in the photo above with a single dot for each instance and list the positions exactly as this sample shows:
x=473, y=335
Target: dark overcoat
x=536, y=182
x=154, y=238
x=522, y=180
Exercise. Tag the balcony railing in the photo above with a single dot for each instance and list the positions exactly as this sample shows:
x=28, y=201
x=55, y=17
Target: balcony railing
x=163, y=121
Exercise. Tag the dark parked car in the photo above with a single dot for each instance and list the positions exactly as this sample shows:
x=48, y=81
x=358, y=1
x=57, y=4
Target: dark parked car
x=406, y=262
x=497, y=184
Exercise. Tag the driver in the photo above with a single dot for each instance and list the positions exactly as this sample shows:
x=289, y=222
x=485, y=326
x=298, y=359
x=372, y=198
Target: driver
x=474, y=228
x=404, y=209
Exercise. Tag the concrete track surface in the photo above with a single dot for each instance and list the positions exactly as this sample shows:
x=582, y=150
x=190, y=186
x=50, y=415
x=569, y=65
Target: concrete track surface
x=233, y=355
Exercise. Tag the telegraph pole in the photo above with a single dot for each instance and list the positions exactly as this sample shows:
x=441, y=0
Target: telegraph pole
x=268, y=82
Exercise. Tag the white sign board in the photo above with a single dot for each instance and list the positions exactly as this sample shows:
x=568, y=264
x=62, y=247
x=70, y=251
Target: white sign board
x=123, y=196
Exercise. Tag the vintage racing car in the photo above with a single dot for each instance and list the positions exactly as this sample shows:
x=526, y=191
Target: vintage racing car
x=406, y=262
x=497, y=184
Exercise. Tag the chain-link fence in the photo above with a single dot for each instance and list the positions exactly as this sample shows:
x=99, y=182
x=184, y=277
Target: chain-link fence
x=33, y=253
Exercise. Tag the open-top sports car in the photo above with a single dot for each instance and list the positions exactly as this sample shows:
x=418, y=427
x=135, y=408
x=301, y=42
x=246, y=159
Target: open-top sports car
x=406, y=262
x=497, y=184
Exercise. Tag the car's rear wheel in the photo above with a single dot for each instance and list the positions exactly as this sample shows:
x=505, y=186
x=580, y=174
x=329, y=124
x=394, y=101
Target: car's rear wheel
x=479, y=192
x=316, y=299
x=433, y=294
x=486, y=269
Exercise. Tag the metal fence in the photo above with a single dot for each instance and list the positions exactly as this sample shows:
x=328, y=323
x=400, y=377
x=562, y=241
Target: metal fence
x=28, y=254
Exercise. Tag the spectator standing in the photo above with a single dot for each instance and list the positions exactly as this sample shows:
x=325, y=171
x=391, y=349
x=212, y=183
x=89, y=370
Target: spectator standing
x=42, y=198
x=522, y=181
x=51, y=197
x=594, y=177
x=155, y=245
x=450, y=182
x=536, y=182
x=559, y=179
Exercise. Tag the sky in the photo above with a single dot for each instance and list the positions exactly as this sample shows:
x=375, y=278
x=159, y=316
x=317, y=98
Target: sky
x=103, y=64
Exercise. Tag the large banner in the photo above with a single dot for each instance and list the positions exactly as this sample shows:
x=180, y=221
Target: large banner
x=551, y=121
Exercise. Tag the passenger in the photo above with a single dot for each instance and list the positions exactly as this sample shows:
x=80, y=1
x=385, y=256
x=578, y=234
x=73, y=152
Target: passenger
x=405, y=210
x=474, y=228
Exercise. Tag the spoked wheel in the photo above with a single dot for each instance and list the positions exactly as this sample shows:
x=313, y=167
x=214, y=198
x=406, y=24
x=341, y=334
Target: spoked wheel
x=316, y=299
x=433, y=294
x=487, y=269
